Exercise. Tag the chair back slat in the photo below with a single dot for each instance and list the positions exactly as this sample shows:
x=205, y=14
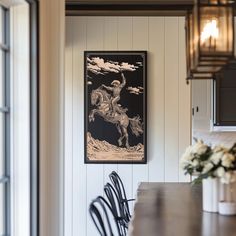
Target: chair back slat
x=117, y=208
x=119, y=187
x=99, y=210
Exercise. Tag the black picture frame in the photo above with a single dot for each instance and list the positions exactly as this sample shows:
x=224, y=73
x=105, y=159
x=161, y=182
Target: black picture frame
x=115, y=107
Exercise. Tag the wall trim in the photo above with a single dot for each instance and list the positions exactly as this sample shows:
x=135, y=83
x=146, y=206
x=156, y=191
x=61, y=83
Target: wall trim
x=34, y=117
x=51, y=117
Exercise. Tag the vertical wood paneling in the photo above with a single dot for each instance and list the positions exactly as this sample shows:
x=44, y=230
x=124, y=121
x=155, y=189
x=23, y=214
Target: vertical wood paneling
x=168, y=107
x=80, y=211
x=156, y=98
x=110, y=43
x=95, y=27
x=125, y=26
x=140, y=42
x=110, y=33
x=171, y=99
x=68, y=129
x=184, y=104
x=125, y=33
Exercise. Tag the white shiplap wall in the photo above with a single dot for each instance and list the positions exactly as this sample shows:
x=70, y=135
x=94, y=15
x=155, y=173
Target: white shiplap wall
x=169, y=112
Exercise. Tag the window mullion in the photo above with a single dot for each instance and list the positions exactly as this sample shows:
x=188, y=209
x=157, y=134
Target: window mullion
x=4, y=179
x=4, y=47
x=4, y=109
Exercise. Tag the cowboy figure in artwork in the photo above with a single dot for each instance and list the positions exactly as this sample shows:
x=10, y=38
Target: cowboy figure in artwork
x=116, y=89
x=107, y=107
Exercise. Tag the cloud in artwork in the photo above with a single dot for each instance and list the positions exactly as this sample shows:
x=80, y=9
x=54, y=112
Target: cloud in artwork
x=98, y=66
x=127, y=67
x=135, y=90
x=139, y=63
x=94, y=69
x=114, y=62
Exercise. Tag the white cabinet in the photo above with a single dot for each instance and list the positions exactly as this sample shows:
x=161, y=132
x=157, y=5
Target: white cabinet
x=201, y=104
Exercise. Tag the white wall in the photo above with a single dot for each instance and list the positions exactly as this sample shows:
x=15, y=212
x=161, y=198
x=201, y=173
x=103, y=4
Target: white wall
x=169, y=112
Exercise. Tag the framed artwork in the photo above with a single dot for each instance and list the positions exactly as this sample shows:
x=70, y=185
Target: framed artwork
x=115, y=95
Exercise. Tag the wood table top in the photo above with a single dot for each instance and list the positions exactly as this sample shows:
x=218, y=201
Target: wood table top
x=175, y=209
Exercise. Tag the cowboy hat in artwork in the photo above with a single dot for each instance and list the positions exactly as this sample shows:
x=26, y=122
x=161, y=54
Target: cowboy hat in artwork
x=115, y=82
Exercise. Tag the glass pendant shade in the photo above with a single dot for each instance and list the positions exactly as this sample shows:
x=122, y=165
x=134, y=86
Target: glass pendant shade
x=210, y=35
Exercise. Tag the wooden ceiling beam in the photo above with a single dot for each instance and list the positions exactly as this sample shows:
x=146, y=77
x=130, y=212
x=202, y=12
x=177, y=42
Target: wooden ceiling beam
x=134, y=2
x=128, y=7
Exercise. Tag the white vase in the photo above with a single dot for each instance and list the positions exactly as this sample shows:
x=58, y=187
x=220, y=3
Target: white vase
x=210, y=194
x=227, y=198
x=228, y=191
x=227, y=208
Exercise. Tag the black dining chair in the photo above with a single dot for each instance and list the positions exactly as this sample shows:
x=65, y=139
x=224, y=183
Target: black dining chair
x=120, y=189
x=117, y=207
x=102, y=215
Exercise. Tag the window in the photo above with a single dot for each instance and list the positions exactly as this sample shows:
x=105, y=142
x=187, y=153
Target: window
x=18, y=118
x=4, y=123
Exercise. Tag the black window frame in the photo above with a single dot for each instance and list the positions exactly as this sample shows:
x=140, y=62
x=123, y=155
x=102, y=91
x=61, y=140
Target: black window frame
x=5, y=110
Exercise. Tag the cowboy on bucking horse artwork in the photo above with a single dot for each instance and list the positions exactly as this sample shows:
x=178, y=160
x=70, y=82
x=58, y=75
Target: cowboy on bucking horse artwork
x=112, y=103
x=116, y=89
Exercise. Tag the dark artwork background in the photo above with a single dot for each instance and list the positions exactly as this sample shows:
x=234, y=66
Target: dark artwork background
x=104, y=130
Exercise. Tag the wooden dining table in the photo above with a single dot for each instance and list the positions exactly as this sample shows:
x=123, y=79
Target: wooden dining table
x=175, y=209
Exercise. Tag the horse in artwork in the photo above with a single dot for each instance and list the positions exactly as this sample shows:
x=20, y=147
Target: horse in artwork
x=102, y=101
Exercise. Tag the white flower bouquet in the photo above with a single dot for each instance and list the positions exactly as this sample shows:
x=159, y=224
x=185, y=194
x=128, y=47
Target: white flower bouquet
x=204, y=162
